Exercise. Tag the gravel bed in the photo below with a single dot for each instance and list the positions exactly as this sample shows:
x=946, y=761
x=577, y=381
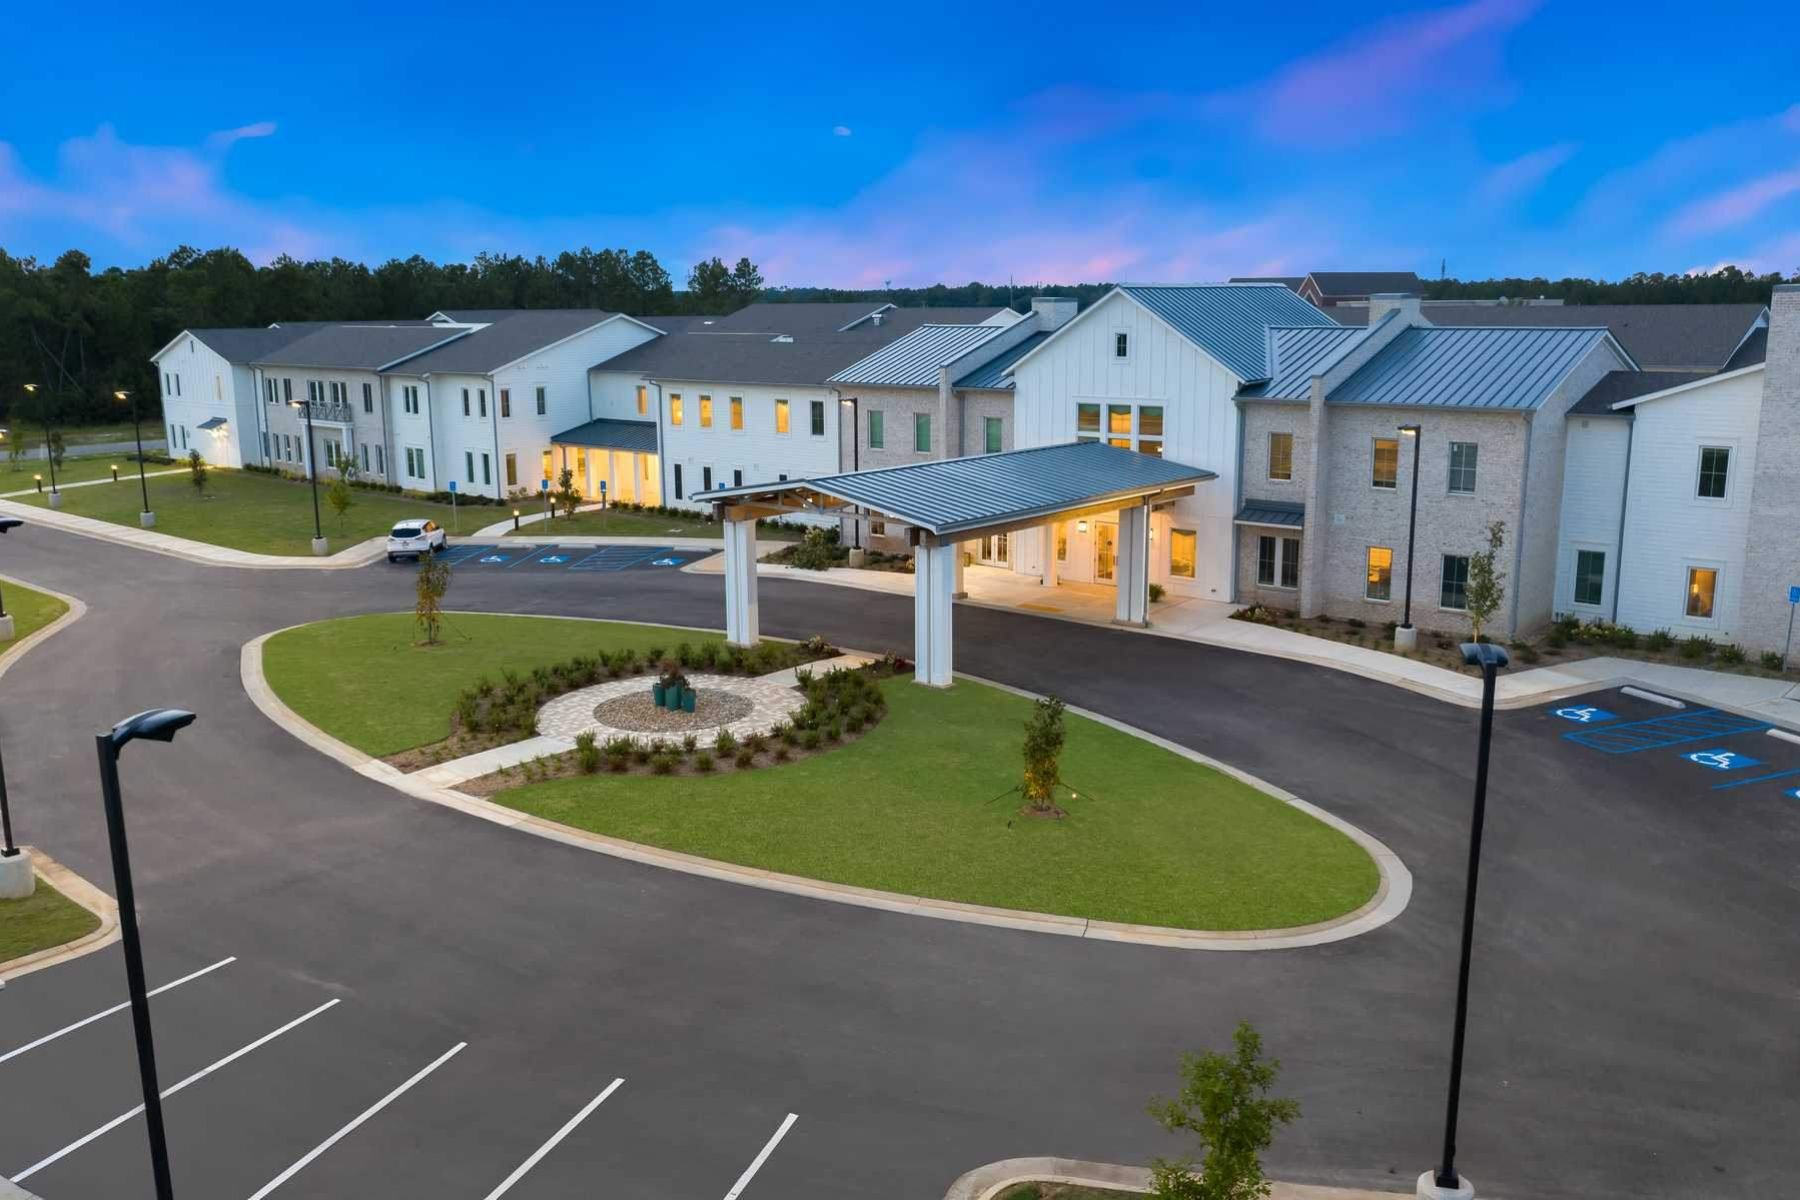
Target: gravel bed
x=639, y=713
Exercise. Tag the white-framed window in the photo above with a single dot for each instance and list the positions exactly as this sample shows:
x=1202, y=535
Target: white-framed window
x=1278, y=562
x=1121, y=344
x=706, y=479
x=922, y=433
x=781, y=416
x=481, y=395
x=737, y=477
x=705, y=411
x=380, y=463
x=643, y=400
x=465, y=394
x=736, y=404
x=505, y=402
x=368, y=397
x=818, y=418
x=1087, y=422
x=512, y=459
x=877, y=430
x=542, y=400
x=1281, y=457
x=1463, y=456
x=1713, y=475
x=469, y=464
x=678, y=495
x=993, y=435
x=265, y=441
x=1590, y=577
x=675, y=408
x=409, y=400
x=1378, y=576
x=365, y=456
x=1385, y=464
x=1702, y=598
x=487, y=463
x=1453, y=583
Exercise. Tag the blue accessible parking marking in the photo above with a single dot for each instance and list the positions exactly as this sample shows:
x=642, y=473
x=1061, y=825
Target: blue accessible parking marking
x=1585, y=714
x=617, y=558
x=456, y=554
x=1699, y=725
x=1721, y=759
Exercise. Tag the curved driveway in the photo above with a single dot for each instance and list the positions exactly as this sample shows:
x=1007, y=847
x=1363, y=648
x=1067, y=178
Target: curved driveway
x=1633, y=1030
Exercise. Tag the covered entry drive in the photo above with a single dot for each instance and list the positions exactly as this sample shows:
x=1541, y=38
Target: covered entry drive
x=978, y=502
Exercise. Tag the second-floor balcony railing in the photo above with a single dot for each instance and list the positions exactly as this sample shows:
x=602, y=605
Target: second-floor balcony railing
x=336, y=411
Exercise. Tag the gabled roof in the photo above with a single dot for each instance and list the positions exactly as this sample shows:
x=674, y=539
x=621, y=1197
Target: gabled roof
x=1291, y=282
x=954, y=495
x=508, y=339
x=360, y=347
x=1616, y=387
x=1298, y=352
x=812, y=317
x=242, y=345
x=1226, y=320
x=1506, y=369
x=1755, y=349
x=1675, y=337
x=1365, y=283
x=915, y=359
x=996, y=373
x=608, y=434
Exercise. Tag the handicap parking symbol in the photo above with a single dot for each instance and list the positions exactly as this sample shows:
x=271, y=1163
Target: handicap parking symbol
x=1794, y=793
x=1721, y=759
x=554, y=560
x=665, y=562
x=1587, y=714
x=495, y=558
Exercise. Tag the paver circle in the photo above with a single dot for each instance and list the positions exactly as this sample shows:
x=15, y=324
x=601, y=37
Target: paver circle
x=769, y=704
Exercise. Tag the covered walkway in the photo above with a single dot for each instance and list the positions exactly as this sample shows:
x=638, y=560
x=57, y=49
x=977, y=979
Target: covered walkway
x=612, y=460
x=946, y=502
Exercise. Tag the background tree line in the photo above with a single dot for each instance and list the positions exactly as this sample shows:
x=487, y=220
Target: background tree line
x=80, y=334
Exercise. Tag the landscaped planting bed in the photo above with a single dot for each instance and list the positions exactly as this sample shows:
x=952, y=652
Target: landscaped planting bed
x=41, y=920
x=30, y=610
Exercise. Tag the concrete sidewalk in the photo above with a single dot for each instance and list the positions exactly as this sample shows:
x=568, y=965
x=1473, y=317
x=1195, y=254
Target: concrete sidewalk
x=1774, y=700
x=358, y=555
x=123, y=478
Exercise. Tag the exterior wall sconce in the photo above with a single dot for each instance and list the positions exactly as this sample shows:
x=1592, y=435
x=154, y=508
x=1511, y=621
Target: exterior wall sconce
x=1081, y=527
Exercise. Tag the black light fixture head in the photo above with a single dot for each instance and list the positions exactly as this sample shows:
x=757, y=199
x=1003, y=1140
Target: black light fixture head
x=1481, y=654
x=7, y=523
x=155, y=724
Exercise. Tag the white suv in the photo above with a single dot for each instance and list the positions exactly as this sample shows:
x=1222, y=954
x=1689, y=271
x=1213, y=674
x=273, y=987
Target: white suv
x=415, y=538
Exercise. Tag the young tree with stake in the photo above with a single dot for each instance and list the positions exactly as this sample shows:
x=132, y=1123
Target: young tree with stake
x=1486, y=589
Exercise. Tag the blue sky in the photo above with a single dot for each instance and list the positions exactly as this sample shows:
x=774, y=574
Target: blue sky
x=855, y=144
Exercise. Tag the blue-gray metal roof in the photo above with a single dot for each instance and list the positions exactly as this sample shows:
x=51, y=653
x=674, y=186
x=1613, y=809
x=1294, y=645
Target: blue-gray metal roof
x=1509, y=369
x=211, y=423
x=1300, y=352
x=1227, y=320
x=608, y=434
x=992, y=374
x=958, y=495
x=914, y=360
x=1287, y=514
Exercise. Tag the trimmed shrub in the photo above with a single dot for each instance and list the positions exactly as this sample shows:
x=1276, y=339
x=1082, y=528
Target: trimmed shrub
x=1696, y=647
x=1732, y=654
x=811, y=740
x=1659, y=641
x=688, y=742
x=587, y=754
x=662, y=764
x=703, y=761
x=725, y=743
x=1771, y=660
x=745, y=757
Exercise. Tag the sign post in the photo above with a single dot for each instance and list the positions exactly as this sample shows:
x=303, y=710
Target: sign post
x=603, y=495
x=453, y=506
x=1793, y=602
x=544, y=487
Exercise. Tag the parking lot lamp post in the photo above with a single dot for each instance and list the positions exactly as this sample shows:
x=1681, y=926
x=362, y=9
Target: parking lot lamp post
x=49, y=453
x=146, y=518
x=1405, y=636
x=8, y=850
x=312, y=474
x=1445, y=1182
x=160, y=725
x=855, y=462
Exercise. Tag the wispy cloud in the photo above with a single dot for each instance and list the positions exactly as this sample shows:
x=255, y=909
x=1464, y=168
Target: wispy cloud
x=1523, y=175
x=1734, y=205
x=840, y=131
x=1386, y=79
x=223, y=140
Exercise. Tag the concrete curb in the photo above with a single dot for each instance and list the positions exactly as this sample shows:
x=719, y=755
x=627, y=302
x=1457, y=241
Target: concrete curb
x=359, y=555
x=25, y=645
x=81, y=892
x=1390, y=898
x=985, y=1183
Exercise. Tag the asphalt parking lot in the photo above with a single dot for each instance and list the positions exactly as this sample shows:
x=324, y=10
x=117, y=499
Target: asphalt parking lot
x=505, y=556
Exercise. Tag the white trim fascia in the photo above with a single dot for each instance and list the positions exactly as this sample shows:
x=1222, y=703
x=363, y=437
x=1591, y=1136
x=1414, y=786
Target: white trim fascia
x=559, y=341
x=1761, y=322
x=1118, y=289
x=1688, y=386
x=189, y=333
x=1154, y=316
x=853, y=324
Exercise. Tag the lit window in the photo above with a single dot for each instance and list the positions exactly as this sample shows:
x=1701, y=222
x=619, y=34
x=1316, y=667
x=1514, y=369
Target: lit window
x=991, y=435
x=1150, y=446
x=1462, y=468
x=1182, y=552
x=1453, y=593
x=643, y=399
x=1702, y=586
x=706, y=412
x=781, y=416
x=1387, y=463
x=1379, y=582
x=674, y=408
x=1062, y=543
x=922, y=432
x=1118, y=418
x=512, y=460
x=549, y=467
x=1123, y=443
x=1715, y=470
x=737, y=412
x=1590, y=576
x=1087, y=418
x=1281, y=456
x=877, y=430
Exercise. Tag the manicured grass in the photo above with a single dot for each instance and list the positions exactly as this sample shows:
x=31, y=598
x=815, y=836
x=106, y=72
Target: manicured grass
x=365, y=681
x=17, y=476
x=250, y=511
x=617, y=522
x=43, y=919
x=30, y=610
x=924, y=805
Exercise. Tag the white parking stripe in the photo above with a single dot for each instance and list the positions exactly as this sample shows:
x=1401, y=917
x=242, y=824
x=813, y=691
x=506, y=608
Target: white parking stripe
x=51, y=1037
x=737, y=1189
x=341, y=1134
x=196, y=1077
x=568, y=1128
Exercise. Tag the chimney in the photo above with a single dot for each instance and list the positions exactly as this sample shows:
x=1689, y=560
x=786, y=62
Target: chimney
x=1382, y=303
x=1053, y=312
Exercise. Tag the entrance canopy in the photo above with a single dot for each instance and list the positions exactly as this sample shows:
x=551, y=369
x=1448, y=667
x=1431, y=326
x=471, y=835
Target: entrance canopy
x=605, y=434
x=947, y=501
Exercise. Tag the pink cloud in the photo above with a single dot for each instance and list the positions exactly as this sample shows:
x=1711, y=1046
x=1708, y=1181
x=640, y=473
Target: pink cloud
x=1523, y=175
x=1735, y=205
x=1381, y=81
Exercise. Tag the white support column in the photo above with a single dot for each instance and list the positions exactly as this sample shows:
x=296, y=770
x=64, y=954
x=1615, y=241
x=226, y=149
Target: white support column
x=960, y=591
x=1133, y=570
x=1049, y=579
x=740, y=583
x=934, y=577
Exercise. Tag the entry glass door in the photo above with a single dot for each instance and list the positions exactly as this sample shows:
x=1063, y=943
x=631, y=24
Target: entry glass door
x=994, y=550
x=1106, y=547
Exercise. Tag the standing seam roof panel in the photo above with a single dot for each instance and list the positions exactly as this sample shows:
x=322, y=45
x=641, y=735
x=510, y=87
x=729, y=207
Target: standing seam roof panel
x=1228, y=320
x=1468, y=367
x=914, y=360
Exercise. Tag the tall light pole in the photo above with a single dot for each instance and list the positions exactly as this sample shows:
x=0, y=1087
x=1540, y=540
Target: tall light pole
x=6, y=621
x=312, y=475
x=160, y=725
x=146, y=518
x=49, y=451
x=16, y=881
x=1405, y=636
x=1445, y=1183
x=855, y=464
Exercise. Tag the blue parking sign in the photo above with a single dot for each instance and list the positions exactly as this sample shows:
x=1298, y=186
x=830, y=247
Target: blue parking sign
x=1721, y=759
x=1585, y=714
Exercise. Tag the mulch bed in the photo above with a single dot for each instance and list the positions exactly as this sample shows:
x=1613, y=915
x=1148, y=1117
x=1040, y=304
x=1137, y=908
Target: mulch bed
x=639, y=712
